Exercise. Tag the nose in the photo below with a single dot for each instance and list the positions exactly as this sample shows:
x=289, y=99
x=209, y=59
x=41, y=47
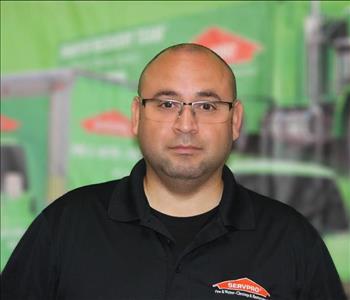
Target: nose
x=186, y=121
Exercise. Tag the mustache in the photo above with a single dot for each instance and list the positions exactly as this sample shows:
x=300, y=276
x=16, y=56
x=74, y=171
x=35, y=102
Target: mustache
x=187, y=140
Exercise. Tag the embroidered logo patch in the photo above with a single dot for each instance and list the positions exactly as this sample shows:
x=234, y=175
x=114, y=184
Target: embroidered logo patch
x=242, y=287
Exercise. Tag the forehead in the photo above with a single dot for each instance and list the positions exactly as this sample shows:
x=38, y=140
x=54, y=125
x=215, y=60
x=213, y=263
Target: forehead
x=187, y=73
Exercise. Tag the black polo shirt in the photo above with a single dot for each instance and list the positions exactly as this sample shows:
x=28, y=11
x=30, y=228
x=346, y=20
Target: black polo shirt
x=103, y=242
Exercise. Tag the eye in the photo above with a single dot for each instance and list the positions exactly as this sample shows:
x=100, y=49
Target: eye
x=168, y=104
x=207, y=106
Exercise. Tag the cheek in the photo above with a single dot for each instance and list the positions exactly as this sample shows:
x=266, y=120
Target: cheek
x=152, y=135
x=219, y=140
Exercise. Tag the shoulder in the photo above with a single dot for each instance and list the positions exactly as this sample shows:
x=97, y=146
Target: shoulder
x=280, y=224
x=280, y=217
x=296, y=245
x=81, y=201
x=264, y=205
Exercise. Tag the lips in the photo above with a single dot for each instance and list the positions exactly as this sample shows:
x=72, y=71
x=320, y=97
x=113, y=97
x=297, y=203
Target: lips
x=185, y=149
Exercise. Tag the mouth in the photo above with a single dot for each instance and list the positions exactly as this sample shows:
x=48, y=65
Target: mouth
x=185, y=149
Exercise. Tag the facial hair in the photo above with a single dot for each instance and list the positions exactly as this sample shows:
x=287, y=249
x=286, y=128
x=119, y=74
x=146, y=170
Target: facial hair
x=185, y=167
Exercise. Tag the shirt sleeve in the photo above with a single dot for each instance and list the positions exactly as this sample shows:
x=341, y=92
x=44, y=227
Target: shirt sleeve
x=30, y=271
x=322, y=281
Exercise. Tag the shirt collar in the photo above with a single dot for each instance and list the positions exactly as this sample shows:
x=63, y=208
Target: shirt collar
x=129, y=202
x=236, y=207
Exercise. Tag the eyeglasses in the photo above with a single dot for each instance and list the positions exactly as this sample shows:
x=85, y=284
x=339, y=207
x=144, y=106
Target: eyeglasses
x=168, y=110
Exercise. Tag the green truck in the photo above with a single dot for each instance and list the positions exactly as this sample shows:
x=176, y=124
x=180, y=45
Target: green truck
x=316, y=128
x=58, y=131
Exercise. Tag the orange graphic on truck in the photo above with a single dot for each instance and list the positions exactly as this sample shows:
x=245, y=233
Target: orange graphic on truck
x=8, y=124
x=234, y=49
x=109, y=123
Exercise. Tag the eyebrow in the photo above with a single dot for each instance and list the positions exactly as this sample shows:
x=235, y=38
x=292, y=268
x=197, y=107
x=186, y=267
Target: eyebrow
x=166, y=93
x=208, y=94
x=205, y=93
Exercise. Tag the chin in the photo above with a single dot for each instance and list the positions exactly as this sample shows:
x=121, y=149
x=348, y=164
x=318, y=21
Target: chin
x=184, y=171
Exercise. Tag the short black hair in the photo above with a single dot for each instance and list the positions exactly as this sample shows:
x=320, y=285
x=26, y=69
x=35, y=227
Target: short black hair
x=189, y=47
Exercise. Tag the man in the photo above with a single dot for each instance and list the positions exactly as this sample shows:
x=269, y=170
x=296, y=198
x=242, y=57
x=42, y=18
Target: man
x=179, y=227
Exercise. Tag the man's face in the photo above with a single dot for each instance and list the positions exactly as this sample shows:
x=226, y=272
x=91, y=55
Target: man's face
x=184, y=148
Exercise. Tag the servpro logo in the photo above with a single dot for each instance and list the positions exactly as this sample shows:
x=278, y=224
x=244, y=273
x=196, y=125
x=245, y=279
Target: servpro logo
x=233, y=48
x=108, y=123
x=7, y=124
x=242, y=287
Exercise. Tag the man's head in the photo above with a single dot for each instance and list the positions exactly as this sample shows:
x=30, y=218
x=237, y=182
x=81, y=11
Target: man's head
x=184, y=147
x=188, y=47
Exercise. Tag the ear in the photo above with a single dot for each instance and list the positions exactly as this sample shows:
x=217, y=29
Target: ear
x=237, y=118
x=135, y=115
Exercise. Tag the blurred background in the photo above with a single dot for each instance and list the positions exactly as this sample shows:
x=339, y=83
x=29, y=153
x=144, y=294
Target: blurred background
x=69, y=71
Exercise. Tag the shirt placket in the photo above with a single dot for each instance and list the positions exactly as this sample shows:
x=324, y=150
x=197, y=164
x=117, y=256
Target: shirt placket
x=212, y=231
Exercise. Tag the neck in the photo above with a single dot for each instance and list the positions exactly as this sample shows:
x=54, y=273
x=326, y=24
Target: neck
x=183, y=198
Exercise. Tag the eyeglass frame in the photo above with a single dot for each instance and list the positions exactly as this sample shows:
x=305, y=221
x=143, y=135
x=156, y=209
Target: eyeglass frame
x=182, y=103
